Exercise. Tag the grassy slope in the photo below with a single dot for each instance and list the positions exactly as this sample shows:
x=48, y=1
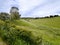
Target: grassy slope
x=48, y=29
x=24, y=25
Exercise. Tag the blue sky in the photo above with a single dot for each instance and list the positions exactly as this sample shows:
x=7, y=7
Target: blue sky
x=32, y=8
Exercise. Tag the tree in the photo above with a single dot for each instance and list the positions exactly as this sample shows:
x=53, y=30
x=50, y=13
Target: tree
x=56, y=15
x=4, y=16
x=14, y=13
x=51, y=16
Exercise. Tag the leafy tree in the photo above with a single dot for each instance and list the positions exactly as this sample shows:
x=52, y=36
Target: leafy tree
x=56, y=15
x=51, y=16
x=4, y=16
x=14, y=14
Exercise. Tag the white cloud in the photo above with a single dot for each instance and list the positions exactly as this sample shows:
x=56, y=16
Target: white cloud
x=47, y=9
x=26, y=5
x=32, y=7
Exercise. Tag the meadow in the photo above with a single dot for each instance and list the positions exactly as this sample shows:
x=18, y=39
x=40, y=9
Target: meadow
x=44, y=31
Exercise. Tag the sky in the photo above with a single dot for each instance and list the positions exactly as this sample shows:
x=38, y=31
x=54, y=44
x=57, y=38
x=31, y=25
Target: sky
x=32, y=8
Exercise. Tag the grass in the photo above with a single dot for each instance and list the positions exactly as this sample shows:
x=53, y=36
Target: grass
x=50, y=22
x=48, y=29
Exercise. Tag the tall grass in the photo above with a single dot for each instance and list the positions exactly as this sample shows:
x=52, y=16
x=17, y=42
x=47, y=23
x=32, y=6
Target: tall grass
x=14, y=35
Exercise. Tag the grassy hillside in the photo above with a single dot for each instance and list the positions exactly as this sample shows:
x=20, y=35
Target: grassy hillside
x=49, y=28
x=31, y=31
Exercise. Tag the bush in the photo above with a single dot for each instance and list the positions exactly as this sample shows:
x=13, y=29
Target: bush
x=15, y=16
x=4, y=16
x=10, y=33
x=56, y=15
x=47, y=17
x=51, y=16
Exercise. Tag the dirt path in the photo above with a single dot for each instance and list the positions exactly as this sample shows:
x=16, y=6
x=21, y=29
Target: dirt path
x=1, y=42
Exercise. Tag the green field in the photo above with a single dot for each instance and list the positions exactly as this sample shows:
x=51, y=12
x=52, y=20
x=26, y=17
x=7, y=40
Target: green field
x=44, y=31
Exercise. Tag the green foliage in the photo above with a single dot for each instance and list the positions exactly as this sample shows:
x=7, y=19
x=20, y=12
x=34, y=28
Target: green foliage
x=50, y=29
x=51, y=16
x=56, y=15
x=35, y=32
x=15, y=16
x=10, y=33
x=4, y=16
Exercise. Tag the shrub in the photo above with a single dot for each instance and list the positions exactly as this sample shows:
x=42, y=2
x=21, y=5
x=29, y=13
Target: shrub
x=10, y=33
x=56, y=15
x=51, y=16
x=46, y=16
x=4, y=16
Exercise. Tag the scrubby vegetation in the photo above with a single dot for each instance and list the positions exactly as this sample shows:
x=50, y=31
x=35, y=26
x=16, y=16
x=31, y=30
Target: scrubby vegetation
x=13, y=35
x=4, y=16
x=49, y=28
x=29, y=31
x=34, y=32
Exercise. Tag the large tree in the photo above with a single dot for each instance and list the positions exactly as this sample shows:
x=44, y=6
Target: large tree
x=14, y=13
